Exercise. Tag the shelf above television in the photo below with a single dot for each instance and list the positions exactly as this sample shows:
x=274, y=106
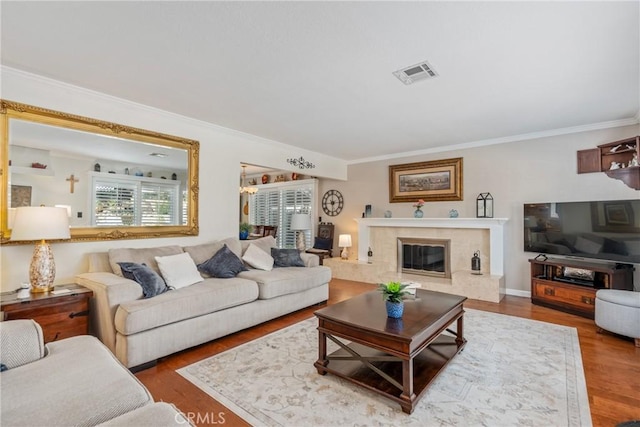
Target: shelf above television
x=618, y=153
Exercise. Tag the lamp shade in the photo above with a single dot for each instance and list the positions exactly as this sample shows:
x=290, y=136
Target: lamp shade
x=40, y=222
x=300, y=222
x=344, y=241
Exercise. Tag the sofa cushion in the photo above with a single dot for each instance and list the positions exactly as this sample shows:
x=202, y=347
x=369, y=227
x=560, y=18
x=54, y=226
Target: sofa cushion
x=178, y=270
x=157, y=414
x=150, y=281
x=264, y=243
x=257, y=258
x=192, y=301
x=21, y=342
x=287, y=280
x=201, y=253
x=286, y=258
x=78, y=383
x=224, y=264
x=141, y=256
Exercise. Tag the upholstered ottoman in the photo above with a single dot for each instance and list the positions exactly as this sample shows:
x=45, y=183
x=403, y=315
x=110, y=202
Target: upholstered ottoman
x=618, y=311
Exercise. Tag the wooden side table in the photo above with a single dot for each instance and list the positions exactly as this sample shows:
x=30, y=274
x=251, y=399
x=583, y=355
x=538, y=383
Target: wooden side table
x=60, y=315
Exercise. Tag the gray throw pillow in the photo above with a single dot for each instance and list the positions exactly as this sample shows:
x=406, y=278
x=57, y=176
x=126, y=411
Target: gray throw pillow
x=286, y=258
x=224, y=264
x=150, y=281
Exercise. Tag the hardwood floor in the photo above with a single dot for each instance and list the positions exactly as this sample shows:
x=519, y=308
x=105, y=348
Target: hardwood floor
x=611, y=363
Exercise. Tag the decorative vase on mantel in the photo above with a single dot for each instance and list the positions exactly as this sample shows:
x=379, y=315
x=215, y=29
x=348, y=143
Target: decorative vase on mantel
x=418, y=213
x=395, y=309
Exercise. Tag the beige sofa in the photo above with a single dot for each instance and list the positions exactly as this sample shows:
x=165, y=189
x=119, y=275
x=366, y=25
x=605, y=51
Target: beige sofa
x=71, y=382
x=140, y=330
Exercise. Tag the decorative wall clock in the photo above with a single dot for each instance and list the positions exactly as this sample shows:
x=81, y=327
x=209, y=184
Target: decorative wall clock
x=332, y=202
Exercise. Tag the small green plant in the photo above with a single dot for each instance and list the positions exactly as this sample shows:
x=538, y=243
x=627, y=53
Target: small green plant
x=393, y=291
x=245, y=227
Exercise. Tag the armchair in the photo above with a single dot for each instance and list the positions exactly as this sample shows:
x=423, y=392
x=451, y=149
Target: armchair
x=323, y=243
x=74, y=381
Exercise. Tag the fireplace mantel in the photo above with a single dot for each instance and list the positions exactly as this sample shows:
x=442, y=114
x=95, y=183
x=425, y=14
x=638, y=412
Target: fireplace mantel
x=494, y=225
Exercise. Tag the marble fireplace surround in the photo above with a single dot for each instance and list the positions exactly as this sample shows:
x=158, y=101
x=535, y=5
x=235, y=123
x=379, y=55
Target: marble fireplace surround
x=466, y=235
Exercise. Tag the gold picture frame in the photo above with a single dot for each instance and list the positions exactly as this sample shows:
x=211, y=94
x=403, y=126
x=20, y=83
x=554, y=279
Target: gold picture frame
x=434, y=181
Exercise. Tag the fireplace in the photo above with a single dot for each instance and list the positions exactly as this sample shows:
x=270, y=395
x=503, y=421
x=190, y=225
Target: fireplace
x=428, y=257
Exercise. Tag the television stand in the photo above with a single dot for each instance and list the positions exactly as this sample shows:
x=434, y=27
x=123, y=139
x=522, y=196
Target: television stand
x=550, y=287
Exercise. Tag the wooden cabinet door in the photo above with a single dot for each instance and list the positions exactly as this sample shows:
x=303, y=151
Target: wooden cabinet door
x=589, y=161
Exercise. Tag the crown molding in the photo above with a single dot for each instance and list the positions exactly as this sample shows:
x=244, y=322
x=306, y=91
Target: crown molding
x=504, y=140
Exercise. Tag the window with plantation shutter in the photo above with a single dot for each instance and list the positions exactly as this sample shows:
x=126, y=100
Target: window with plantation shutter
x=159, y=204
x=134, y=201
x=114, y=203
x=274, y=204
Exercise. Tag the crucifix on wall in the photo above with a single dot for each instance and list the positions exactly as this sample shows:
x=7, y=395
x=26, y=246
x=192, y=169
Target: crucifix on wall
x=72, y=180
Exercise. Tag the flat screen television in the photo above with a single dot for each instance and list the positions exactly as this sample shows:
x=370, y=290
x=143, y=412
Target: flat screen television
x=606, y=230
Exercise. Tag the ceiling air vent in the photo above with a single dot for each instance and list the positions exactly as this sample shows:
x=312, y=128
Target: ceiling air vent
x=414, y=73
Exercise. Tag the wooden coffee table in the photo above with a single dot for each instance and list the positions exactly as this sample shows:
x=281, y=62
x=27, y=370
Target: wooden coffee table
x=397, y=358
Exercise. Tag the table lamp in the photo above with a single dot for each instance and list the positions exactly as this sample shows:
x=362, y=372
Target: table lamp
x=40, y=223
x=344, y=241
x=300, y=222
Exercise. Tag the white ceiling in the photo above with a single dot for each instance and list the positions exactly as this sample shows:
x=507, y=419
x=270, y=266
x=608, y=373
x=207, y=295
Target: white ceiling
x=318, y=75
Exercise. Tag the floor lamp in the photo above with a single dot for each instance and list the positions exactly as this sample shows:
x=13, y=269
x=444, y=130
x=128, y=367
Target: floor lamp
x=299, y=223
x=40, y=223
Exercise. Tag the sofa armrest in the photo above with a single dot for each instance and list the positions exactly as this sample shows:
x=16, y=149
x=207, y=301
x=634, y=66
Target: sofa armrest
x=310, y=260
x=21, y=342
x=109, y=291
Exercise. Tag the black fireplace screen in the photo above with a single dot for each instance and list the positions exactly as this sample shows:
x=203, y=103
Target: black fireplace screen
x=423, y=257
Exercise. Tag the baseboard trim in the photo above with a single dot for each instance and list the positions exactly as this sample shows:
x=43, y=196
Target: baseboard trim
x=518, y=293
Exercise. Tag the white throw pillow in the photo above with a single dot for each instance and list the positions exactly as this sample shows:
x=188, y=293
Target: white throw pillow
x=178, y=271
x=257, y=258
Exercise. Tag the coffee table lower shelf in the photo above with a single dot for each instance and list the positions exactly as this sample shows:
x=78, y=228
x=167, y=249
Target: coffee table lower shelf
x=427, y=365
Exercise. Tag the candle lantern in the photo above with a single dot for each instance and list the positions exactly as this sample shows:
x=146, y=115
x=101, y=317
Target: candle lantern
x=484, y=205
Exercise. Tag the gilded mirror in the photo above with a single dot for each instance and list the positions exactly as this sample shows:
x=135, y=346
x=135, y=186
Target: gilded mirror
x=117, y=182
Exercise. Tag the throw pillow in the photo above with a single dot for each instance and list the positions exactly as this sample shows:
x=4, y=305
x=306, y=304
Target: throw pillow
x=179, y=271
x=223, y=264
x=264, y=243
x=257, y=258
x=324, y=244
x=201, y=253
x=140, y=256
x=286, y=258
x=151, y=283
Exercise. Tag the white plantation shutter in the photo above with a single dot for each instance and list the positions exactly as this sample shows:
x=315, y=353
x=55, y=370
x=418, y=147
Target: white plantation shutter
x=294, y=200
x=134, y=202
x=183, y=219
x=274, y=204
x=114, y=203
x=159, y=204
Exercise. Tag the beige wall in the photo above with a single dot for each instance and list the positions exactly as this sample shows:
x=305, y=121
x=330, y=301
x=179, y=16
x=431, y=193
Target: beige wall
x=538, y=170
x=221, y=152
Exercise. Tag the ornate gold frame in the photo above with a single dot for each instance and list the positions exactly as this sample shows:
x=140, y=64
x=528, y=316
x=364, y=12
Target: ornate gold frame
x=449, y=168
x=15, y=110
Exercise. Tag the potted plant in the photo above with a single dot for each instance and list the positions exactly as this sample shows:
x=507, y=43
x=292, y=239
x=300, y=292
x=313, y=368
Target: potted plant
x=393, y=294
x=245, y=228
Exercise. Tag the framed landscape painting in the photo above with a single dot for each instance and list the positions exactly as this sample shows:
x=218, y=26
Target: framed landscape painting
x=437, y=180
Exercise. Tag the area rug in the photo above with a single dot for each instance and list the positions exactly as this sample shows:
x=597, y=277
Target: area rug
x=512, y=372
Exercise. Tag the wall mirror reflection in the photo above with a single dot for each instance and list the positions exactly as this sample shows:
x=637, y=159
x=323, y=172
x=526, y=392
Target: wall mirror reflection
x=115, y=181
